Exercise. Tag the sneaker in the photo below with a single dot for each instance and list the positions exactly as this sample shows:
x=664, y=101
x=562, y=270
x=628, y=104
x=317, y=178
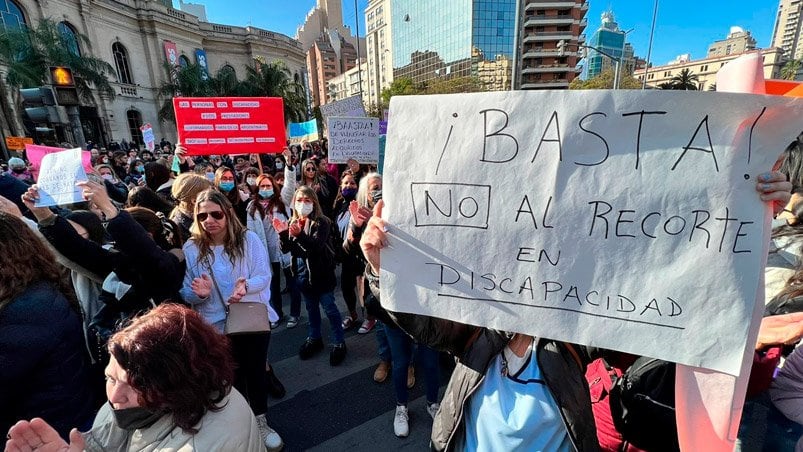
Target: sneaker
x=310, y=348
x=401, y=425
x=338, y=354
x=366, y=326
x=274, y=325
x=410, y=377
x=275, y=387
x=381, y=372
x=273, y=442
x=292, y=322
x=349, y=322
x=433, y=408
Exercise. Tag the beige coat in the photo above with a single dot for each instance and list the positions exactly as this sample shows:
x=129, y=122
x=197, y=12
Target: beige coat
x=233, y=428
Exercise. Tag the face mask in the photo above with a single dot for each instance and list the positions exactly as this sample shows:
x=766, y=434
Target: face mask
x=108, y=177
x=266, y=193
x=303, y=208
x=349, y=193
x=18, y=170
x=251, y=181
x=279, y=165
x=227, y=186
x=135, y=418
x=210, y=176
x=375, y=195
x=141, y=169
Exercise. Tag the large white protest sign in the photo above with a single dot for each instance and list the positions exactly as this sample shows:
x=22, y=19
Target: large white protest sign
x=350, y=106
x=622, y=219
x=57, y=177
x=353, y=138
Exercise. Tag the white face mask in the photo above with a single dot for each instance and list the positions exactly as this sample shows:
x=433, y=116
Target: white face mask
x=108, y=177
x=251, y=181
x=303, y=208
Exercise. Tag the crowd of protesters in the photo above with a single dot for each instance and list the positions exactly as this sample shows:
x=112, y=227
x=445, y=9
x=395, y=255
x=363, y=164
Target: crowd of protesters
x=124, y=298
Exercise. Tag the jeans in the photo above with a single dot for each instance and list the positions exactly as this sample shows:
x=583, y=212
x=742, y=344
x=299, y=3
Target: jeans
x=294, y=288
x=250, y=353
x=314, y=303
x=400, y=348
x=383, y=348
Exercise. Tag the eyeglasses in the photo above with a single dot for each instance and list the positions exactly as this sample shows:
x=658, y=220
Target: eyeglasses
x=309, y=169
x=217, y=215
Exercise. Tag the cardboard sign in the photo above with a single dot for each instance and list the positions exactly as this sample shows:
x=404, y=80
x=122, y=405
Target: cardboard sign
x=230, y=125
x=59, y=173
x=35, y=153
x=148, y=137
x=348, y=107
x=627, y=220
x=353, y=138
x=17, y=143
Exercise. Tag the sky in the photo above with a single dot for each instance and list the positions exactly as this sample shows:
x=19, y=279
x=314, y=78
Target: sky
x=682, y=26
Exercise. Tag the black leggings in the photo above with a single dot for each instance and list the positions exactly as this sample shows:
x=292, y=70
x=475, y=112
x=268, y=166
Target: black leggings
x=250, y=354
x=348, y=283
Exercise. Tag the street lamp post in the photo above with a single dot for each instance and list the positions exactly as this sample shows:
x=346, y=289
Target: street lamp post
x=617, y=78
x=562, y=48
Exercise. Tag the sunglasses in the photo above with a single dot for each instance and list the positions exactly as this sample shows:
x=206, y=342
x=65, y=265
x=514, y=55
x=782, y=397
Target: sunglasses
x=217, y=215
x=309, y=169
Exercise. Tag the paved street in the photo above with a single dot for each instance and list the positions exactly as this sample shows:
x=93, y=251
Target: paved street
x=340, y=408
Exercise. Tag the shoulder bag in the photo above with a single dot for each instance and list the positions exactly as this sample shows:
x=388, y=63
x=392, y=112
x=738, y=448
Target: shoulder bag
x=243, y=317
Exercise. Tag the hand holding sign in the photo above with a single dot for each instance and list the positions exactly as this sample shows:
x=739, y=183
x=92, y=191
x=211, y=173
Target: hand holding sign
x=96, y=194
x=30, y=198
x=375, y=237
x=774, y=188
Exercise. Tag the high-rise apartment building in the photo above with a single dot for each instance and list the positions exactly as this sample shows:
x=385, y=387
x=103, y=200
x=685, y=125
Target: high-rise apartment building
x=546, y=24
x=612, y=41
x=379, y=51
x=787, y=31
x=327, y=15
x=738, y=41
x=330, y=55
x=434, y=40
x=350, y=83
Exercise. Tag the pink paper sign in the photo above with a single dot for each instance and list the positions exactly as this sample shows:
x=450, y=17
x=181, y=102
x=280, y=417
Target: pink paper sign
x=36, y=153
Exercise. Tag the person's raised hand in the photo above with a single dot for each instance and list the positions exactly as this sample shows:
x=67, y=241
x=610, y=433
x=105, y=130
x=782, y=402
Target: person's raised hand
x=288, y=155
x=29, y=198
x=375, y=237
x=202, y=287
x=38, y=436
x=359, y=214
x=7, y=206
x=279, y=225
x=294, y=229
x=239, y=291
x=775, y=189
x=96, y=194
x=181, y=152
x=784, y=329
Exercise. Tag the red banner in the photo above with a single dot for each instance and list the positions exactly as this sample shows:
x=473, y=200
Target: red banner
x=171, y=53
x=230, y=125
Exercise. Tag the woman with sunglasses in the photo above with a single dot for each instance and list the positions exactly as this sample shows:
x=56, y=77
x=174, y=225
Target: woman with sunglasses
x=228, y=264
x=324, y=186
x=313, y=264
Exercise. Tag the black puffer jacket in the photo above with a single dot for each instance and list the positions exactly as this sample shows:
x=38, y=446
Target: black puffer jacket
x=317, y=254
x=43, y=362
x=562, y=365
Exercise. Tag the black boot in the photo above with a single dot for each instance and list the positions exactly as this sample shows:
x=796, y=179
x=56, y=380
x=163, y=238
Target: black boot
x=275, y=387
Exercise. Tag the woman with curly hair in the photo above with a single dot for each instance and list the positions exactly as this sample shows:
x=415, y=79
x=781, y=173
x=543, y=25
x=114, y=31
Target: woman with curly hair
x=44, y=370
x=169, y=387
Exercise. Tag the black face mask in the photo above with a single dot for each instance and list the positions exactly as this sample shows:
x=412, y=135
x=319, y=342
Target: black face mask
x=135, y=418
x=18, y=170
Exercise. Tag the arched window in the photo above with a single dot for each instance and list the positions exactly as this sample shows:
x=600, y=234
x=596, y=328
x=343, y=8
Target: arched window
x=183, y=61
x=11, y=15
x=134, y=121
x=121, y=62
x=228, y=69
x=69, y=38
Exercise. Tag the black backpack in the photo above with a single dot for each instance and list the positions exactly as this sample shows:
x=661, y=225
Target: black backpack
x=643, y=405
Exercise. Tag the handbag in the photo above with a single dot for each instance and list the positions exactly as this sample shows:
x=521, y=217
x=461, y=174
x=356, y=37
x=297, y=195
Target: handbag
x=243, y=317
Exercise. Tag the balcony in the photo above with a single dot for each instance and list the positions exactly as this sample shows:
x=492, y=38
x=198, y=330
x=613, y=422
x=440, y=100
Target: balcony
x=548, y=36
x=553, y=5
x=550, y=20
x=545, y=68
x=549, y=53
x=546, y=84
x=128, y=90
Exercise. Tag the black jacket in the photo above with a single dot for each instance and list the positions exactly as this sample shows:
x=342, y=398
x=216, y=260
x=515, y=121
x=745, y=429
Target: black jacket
x=316, y=251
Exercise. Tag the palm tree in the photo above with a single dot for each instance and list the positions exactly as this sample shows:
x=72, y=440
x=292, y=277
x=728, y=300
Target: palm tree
x=274, y=80
x=225, y=83
x=685, y=80
x=28, y=54
x=188, y=81
x=790, y=69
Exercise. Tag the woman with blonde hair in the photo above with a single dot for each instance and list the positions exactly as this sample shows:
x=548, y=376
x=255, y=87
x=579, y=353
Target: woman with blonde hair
x=313, y=264
x=228, y=264
x=185, y=189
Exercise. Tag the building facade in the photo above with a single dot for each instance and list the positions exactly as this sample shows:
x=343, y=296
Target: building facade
x=612, y=41
x=545, y=24
x=379, y=48
x=137, y=38
x=350, y=83
x=326, y=16
x=707, y=68
x=787, y=31
x=330, y=56
x=738, y=42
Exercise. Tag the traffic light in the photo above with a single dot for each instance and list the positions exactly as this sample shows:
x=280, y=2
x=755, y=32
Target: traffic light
x=64, y=85
x=39, y=107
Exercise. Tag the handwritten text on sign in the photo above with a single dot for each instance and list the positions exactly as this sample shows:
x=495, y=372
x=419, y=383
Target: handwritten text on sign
x=58, y=175
x=230, y=125
x=625, y=220
x=353, y=138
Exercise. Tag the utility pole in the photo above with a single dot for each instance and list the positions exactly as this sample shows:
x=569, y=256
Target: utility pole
x=359, y=69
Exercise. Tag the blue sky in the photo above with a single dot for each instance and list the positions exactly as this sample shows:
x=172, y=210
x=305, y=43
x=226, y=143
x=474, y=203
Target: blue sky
x=682, y=26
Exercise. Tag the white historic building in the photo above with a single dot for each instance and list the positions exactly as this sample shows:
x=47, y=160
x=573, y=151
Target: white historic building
x=137, y=37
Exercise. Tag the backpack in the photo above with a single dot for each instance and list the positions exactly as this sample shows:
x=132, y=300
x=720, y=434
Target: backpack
x=642, y=404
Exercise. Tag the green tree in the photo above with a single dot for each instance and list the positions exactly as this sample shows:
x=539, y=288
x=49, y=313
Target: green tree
x=275, y=80
x=400, y=86
x=28, y=53
x=225, y=84
x=455, y=85
x=604, y=80
x=790, y=69
x=185, y=81
x=685, y=80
